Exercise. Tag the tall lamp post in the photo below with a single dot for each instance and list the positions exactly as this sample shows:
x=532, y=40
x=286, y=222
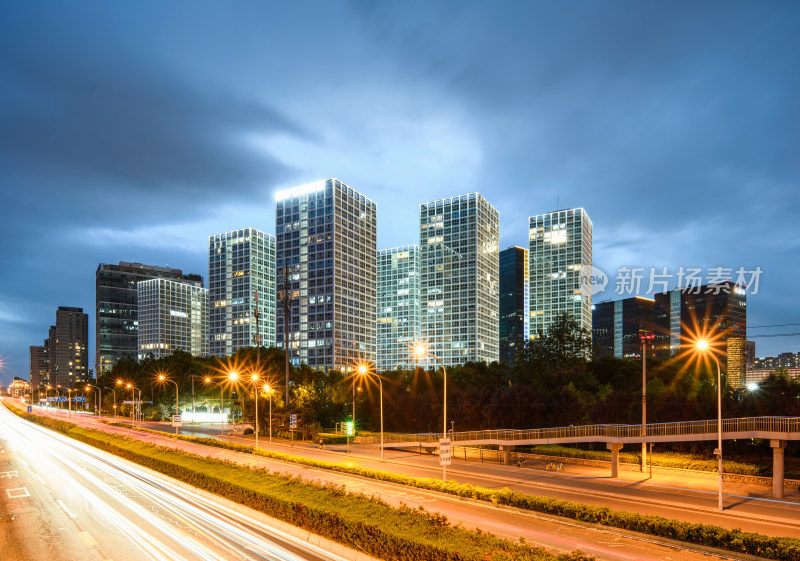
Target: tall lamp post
x=422, y=351
x=99, y=397
x=254, y=379
x=134, y=410
x=163, y=378
x=703, y=347
x=364, y=370
x=645, y=339
x=269, y=391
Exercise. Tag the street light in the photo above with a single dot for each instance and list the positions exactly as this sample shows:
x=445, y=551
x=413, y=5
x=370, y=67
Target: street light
x=644, y=339
x=99, y=397
x=364, y=370
x=422, y=351
x=133, y=396
x=114, y=393
x=254, y=379
x=702, y=346
x=163, y=378
x=269, y=391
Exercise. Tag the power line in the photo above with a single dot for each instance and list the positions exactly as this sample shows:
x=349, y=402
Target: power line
x=775, y=325
x=773, y=335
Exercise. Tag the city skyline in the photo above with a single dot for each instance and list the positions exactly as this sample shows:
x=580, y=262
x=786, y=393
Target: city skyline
x=677, y=142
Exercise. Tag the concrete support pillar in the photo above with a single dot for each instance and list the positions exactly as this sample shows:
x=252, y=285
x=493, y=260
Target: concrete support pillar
x=778, y=447
x=506, y=454
x=615, y=447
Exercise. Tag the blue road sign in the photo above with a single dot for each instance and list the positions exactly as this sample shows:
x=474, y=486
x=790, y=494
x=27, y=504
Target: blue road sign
x=30, y=409
x=79, y=399
x=293, y=420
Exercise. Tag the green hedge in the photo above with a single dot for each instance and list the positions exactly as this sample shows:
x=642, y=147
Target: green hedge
x=364, y=523
x=787, y=549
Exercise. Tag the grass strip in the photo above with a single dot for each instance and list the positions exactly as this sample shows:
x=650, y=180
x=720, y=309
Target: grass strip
x=365, y=523
x=708, y=535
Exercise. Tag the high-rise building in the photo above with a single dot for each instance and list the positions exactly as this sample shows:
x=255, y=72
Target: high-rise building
x=19, y=388
x=717, y=312
x=69, y=364
x=514, y=302
x=459, y=262
x=560, y=261
x=116, y=318
x=750, y=352
x=241, y=272
x=618, y=326
x=326, y=246
x=39, y=367
x=173, y=316
x=398, y=305
x=50, y=343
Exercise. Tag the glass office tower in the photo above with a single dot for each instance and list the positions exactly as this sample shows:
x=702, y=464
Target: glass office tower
x=326, y=246
x=459, y=262
x=560, y=256
x=173, y=315
x=398, y=305
x=514, y=302
x=241, y=265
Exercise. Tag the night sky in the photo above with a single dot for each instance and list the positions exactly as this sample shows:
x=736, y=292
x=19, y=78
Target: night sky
x=134, y=130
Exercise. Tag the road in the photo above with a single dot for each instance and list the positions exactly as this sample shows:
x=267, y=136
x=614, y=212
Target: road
x=557, y=535
x=61, y=499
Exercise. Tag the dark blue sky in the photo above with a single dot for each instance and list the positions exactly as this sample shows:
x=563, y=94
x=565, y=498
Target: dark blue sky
x=132, y=131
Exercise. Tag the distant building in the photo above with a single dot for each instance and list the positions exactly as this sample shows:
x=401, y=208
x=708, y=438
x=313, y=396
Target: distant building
x=326, y=251
x=39, y=366
x=50, y=343
x=68, y=347
x=399, y=297
x=750, y=352
x=618, y=326
x=758, y=375
x=117, y=309
x=241, y=271
x=717, y=312
x=19, y=388
x=173, y=316
x=460, y=269
x=514, y=302
x=560, y=259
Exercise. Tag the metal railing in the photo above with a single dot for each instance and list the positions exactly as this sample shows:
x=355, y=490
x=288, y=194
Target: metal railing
x=783, y=425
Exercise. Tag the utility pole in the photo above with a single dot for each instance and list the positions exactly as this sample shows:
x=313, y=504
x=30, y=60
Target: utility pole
x=286, y=296
x=257, y=341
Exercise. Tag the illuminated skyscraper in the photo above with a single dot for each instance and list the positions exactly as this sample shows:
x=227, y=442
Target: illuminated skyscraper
x=241, y=265
x=560, y=265
x=398, y=305
x=173, y=316
x=514, y=302
x=117, y=309
x=617, y=327
x=459, y=262
x=326, y=241
x=70, y=341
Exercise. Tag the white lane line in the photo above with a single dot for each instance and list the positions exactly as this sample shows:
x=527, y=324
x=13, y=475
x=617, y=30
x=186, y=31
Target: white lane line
x=62, y=505
x=37, y=476
x=17, y=493
x=8, y=474
x=87, y=538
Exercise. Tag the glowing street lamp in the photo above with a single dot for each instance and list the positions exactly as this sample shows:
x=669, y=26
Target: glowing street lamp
x=254, y=379
x=422, y=351
x=269, y=391
x=134, y=412
x=703, y=347
x=99, y=397
x=163, y=378
x=364, y=370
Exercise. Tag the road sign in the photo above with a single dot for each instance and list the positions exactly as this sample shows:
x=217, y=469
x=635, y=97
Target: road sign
x=444, y=451
x=30, y=409
x=348, y=428
x=79, y=399
x=176, y=421
x=135, y=402
x=293, y=420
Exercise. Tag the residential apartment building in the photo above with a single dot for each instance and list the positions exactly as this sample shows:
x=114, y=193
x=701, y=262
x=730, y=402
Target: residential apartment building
x=68, y=347
x=173, y=316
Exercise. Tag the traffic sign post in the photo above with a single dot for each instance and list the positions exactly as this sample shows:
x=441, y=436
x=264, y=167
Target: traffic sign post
x=293, y=420
x=444, y=451
x=176, y=421
x=30, y=409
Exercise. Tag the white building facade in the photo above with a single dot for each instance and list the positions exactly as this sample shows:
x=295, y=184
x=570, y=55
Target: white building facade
x=173, y=315
x=459, y=262
x=241, y=270
x=326, y=245
x=560, y=254
x=399, y=299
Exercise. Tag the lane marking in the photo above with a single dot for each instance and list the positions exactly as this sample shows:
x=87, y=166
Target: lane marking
x=36, y=475
x=17, y=493
x=8, y=474
x=87, y=538
x=63, y=506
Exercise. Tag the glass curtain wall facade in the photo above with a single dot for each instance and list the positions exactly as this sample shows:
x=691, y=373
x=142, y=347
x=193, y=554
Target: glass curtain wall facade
x=460, y=269
x=560, y=261
x=173, y=316
x=241, y=265
x=117, y=309
x=326, y=246
x=617, y=327
x=398, y=305
x=514, y=302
